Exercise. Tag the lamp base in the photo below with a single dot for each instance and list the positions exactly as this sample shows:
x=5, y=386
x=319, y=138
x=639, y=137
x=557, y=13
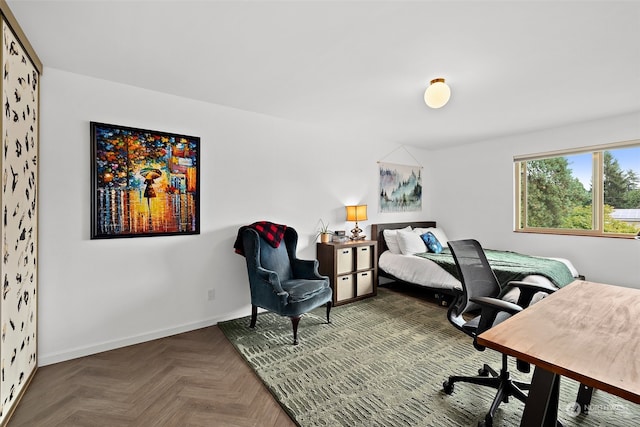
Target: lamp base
x=355, y=233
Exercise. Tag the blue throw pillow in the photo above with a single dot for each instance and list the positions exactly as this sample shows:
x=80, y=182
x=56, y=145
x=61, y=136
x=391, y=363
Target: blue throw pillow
x=432, y=243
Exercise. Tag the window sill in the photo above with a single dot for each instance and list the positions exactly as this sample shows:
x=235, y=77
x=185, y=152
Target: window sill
x=586, y=233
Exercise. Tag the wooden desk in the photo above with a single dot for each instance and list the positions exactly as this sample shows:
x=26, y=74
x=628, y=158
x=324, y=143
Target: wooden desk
x=586, y=331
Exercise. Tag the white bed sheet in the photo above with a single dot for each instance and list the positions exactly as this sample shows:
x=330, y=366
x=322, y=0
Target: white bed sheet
x=420, y=271
x=424, y=272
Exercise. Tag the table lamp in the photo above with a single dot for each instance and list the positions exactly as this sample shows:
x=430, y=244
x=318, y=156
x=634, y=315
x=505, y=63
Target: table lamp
x=357, y=213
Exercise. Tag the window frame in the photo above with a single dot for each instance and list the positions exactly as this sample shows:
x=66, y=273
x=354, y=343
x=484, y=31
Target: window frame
x=597, y=188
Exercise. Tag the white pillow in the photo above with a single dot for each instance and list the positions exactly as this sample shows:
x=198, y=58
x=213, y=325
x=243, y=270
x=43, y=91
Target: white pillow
x=410, y=243
x=391, y=239
x=438, y=232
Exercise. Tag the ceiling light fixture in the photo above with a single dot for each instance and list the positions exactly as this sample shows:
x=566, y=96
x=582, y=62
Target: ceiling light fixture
x=437, y=94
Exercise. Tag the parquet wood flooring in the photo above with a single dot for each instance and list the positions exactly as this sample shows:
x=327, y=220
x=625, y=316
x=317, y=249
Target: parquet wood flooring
x=191, y=379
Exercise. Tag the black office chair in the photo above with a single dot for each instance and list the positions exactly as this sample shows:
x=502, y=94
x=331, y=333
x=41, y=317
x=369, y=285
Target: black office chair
x=480, y=292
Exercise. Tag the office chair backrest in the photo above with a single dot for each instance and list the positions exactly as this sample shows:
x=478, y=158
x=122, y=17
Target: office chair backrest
x=476, y=276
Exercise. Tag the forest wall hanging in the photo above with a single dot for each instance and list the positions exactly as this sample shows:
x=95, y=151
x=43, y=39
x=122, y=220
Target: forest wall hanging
x=400, y=188
x=144, y=182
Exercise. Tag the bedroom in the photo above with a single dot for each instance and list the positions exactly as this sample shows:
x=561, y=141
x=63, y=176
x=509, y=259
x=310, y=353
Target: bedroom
x=86, y=308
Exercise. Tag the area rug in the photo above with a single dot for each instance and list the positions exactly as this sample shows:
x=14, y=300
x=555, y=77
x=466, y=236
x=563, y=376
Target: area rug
x=382, y=362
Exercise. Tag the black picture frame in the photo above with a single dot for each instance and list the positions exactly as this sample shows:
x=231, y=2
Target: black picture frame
x=144, y=183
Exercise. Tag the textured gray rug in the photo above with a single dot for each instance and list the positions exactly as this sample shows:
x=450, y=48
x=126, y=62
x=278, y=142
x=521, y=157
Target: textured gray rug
x=382, y=361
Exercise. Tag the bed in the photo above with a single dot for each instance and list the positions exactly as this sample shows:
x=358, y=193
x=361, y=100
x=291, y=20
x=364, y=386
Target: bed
x=400, y=264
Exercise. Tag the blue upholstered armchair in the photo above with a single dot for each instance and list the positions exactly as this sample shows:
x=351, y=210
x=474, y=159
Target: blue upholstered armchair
x=280, y=282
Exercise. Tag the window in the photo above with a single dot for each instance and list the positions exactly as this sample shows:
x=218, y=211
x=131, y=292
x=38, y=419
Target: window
x=593, y=191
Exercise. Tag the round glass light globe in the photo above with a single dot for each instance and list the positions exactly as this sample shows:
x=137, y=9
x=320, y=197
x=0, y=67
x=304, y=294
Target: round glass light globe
x=437, y=94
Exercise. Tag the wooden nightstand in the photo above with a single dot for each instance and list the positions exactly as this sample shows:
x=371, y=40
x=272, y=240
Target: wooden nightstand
x=352, y=268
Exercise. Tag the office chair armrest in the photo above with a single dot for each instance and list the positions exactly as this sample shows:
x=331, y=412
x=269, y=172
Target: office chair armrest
x=490, y=308
x=541, y=287
x=528, y=290
x=489, y=304
x=457, y=305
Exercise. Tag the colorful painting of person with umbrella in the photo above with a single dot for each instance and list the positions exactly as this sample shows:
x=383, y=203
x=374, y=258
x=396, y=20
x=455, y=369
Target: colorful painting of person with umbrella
x=132, y=165
x=150, y=175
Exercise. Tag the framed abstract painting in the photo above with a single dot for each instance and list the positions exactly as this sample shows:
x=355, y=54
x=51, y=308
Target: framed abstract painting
x=143, y=182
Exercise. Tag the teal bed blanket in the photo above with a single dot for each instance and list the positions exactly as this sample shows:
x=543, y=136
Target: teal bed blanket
x=510, y=266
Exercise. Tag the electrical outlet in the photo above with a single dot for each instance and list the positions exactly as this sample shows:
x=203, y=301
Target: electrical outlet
x=211, y=294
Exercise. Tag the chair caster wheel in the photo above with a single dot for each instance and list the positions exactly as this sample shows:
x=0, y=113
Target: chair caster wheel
x=576, y=409
x=447, y=387
x=483, y=372
x=488, y=422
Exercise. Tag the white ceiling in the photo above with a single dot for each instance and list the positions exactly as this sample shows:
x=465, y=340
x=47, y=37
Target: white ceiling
x=360, y=66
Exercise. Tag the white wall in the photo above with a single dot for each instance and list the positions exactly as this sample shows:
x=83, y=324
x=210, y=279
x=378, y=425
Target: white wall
x=475, y=195
x=102, y=294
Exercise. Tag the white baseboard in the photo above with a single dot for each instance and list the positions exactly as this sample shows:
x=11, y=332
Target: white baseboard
x=49, y=359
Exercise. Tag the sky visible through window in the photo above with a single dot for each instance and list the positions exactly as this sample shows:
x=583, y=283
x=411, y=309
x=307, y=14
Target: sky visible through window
x=581, y=164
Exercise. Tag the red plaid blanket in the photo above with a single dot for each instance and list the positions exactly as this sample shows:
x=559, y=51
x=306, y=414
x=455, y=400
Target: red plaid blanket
x=271, y=232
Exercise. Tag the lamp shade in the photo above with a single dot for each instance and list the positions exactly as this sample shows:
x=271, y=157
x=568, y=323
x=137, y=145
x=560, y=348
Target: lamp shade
x=437, y=94
x=357, y=213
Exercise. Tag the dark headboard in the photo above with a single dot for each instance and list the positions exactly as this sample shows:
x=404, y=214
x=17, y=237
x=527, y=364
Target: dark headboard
x=377, y=229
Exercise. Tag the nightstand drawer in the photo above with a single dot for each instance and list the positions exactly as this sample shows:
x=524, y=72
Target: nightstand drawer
x=364, y=283
x=344, y=287
x=363, y=258
x=344, y=260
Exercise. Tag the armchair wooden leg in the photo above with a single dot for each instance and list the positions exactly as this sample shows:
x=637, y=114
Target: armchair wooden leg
x=329, y=304
x=294, y=322
x=254, y=316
